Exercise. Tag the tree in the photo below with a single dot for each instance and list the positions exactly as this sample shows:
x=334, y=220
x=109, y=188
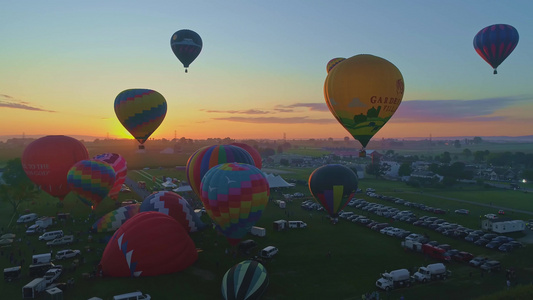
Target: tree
x=528, y=174
x=18, y=188
x=457, y=144
x=477, y=140
x=377, y=169
x=405, y=169
x=467, y=153
x=446, y=157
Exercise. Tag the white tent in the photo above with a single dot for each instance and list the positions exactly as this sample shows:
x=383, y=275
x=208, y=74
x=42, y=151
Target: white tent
x=275, y=181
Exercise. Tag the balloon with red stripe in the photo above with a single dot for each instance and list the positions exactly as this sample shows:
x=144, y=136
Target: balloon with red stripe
x=495, y=43
x=119, y=164
x=91, y=180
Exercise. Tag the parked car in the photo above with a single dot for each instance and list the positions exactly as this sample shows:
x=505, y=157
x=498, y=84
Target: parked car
x=439, y=211
x=493, y=245
x=463, y=256
x=501, y=212
x=68, y=253
x=462, y=211
x=491, y=216
x=33, y=229
x=65, y=240
x=268, y=252
x=478, y=261
x=52, y=274
x=506, y=247
x=491, y=265
x=481, y=242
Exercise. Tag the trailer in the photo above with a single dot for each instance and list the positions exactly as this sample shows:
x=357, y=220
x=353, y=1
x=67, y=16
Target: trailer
x=32, y=289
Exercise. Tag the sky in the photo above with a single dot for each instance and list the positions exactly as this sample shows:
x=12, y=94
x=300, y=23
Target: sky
x=262, y=67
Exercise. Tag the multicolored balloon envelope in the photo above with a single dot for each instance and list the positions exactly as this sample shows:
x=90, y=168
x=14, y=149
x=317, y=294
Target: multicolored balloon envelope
x=186, y=45
x=47, y=161
x=118, y=163
x=114, y=219
x=258, y=161
x=140, y=111
x=148, y=244
x=175, y=206
x=207, y=157
x=333, y=186
x=363, y=92
x=247, y=280
x=333, y=62
x=91, y=180
x=495, y=43
x=234, y=196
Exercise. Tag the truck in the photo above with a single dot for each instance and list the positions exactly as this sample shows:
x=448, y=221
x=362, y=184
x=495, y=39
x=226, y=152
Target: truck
x=412, y=245
x=280, y=225
x=436, y=252
x=431, y=272
x=32, y=289
x=44, y=222
x=394, y=279
x=258, y=231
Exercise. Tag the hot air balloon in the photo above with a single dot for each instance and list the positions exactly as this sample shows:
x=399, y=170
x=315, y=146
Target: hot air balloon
x=258, y=161
x=333, y=186
x=118, y=163
x=247, y=280
x=186, y=45
x=175, y=206
x=495, y=42
x=234, y=196
x=114, y=219
x=333, y=62
x=207, y=157
x=363, y=92
x=47, y=161
x=91, y=180
x=140, y=111
x=148, y=244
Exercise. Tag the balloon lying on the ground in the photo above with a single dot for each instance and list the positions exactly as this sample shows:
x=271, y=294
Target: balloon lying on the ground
x=207, y=157
x=495, y=43
x=234, y=196
x=333, y=186
x=140, y=111
x=175, y=206
x=47, y=161
x=91, y=180
x=114, y=219
x=363, y=92
x=186, y=45
x=258, y=161
x=118, y=163
x=247, y=280
x=148, y=244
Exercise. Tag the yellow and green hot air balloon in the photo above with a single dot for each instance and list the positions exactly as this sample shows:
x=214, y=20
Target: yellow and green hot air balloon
x=363, y=92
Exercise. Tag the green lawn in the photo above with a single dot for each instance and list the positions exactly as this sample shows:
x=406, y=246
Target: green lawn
x=302, y=269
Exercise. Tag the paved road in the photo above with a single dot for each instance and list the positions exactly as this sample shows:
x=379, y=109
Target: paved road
x=132, y=184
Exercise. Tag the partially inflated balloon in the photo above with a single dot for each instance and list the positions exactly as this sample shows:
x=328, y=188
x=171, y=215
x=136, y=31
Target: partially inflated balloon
x=362, y=93
x=91, y=180
x=175, y=206
x=47, y=161
x=148, y=244
x=114, y=219
x=247, y=280
x=186, y=45
x=118, y=163
x=140, y=111
x=207, y=157
x=333, y=186
x=332, y=63
x=494, y=43
x=234, y=196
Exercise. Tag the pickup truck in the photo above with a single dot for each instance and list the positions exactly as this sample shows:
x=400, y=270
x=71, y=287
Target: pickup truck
x=65, y=240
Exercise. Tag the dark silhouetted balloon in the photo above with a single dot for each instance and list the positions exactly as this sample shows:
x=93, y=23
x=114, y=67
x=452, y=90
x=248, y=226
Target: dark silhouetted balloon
x=186, y=45
x=494, y=43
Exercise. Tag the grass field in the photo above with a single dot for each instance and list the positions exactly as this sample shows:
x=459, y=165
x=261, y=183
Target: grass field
x=302, y=269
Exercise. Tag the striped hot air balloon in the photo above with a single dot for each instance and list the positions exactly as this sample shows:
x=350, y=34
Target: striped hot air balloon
x=114, y=219
x=495, y=43
x=140, y=111
x=91, y=180
x=247, y=280
x=234, y=196
x=333, y=186
x=118, y=163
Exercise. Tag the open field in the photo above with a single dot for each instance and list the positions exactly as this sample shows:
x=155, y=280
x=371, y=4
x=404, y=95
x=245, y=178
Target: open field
x=302, y=269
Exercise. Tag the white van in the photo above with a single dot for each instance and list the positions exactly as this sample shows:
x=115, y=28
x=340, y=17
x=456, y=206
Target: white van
x=41, y=258
x=268, y=252
x=27, y=218
x=297, y=224
x=51, y=235
x=132, y=296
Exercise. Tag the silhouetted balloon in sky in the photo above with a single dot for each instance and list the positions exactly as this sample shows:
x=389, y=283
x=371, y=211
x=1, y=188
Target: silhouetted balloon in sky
x=47, y=161
x=140, y=111
x=363, y=92
x=186, y=45
x=333, y=186
x=494, y=43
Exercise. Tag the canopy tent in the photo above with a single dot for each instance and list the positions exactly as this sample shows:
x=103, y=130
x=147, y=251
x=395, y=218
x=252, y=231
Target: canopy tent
x=275, y=181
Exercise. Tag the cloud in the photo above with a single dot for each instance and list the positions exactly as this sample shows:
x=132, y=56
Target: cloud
x=246, y=112
x=480, y=110
x=310, y=106
x=10, y=102
x=278, y=120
